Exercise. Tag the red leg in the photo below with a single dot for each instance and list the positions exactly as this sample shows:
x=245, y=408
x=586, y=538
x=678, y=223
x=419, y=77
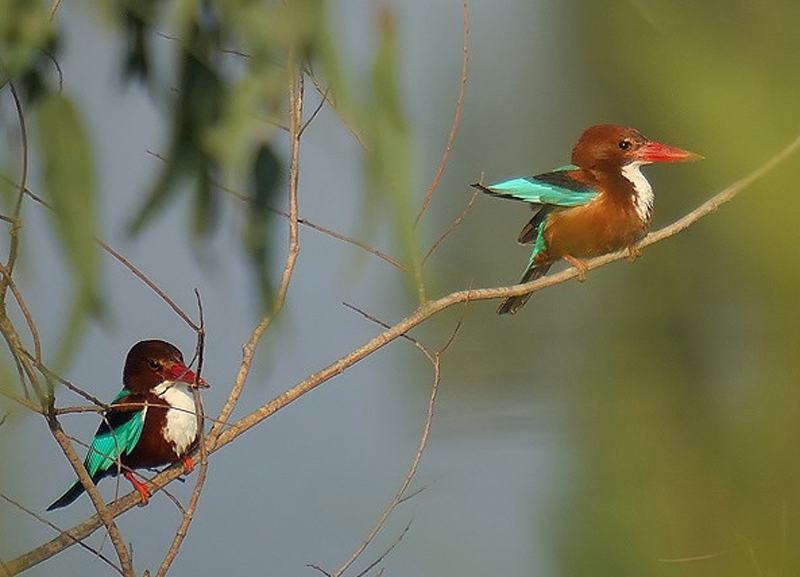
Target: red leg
x=578, y=264
x=140, y=487
x=188, y=466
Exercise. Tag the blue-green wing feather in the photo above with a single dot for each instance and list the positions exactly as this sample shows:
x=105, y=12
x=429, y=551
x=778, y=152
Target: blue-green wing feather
x=555, y=188
x=117, y=435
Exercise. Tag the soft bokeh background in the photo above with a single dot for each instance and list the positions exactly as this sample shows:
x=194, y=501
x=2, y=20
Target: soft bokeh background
x=643, y=423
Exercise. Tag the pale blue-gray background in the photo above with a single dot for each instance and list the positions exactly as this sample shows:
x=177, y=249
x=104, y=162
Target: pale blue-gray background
x=516, y=474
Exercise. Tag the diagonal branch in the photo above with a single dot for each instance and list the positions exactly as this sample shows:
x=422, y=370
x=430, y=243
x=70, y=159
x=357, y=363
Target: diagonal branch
x=402, y=327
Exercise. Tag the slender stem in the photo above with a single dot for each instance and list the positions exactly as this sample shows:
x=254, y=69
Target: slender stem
x=456, y=118
x=295, y=91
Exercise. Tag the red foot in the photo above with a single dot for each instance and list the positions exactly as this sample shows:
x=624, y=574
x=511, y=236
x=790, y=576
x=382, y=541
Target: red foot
x=188, y=466
x=140, y=487
x=578, y=264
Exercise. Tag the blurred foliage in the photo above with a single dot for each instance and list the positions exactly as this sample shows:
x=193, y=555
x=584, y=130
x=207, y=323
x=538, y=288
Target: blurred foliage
x=388, y=145
x=688, y=404
x=229, y=81
x=223, y=108
x=28, y=52
x=69, y=177
x=25, y=31
x=233, y=60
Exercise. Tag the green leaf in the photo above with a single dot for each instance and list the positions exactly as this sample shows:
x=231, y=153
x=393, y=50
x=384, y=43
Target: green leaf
x=69, y=179
x=266, y=177
x=136, y=18
x=26, y=29
x=389, y=156
x=201, y=91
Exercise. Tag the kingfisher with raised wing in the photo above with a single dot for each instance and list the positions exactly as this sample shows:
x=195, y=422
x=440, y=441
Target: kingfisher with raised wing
x=152, y=422
x=598, y=204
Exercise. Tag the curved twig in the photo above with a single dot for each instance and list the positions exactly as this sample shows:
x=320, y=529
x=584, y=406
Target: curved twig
x=456, y=119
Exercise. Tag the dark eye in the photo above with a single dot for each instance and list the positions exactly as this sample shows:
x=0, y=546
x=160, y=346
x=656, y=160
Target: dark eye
x=155, y=365
x=625, y=144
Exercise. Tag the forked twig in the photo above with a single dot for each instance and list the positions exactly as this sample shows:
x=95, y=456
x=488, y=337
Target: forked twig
x=401, y=495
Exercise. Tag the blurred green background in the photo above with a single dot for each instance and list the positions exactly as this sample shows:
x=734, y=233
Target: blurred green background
x=642, y=423
x=679, y=375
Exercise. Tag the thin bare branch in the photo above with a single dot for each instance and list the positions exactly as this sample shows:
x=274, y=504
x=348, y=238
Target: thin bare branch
x=54, y=8
x=377, y=321
x=388, y=550
x=306, y=222
x=326, y=97
x=102, y=511
x=37, y=345
x=412, y=471
x=694, y=558
x=52, y=525
x=131, y=267
x=316, y=111
x=150, y=284
x=295, y=92
x=401, y=496
x=13, y=249
x=318, y=227
x=77, y=390
x=459, y=219
x=349, y=240
x=188, y=513
x=457, y=116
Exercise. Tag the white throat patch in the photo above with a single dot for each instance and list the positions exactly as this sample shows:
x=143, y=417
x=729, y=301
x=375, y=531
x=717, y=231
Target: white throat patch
x=643, y=193
x=181, y=427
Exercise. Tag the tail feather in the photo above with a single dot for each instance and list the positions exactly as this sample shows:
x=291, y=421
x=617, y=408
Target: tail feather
x=512, y=304
x=75, y=491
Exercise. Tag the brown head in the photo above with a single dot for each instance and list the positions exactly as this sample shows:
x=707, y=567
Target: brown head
x=615, y=146
x=151, y=362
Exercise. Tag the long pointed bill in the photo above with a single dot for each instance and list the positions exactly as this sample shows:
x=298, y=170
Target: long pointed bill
x=178, y=372
x=655, y=152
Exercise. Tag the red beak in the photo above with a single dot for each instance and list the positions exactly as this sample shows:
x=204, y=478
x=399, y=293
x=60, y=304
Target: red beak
x=178, y=372
x=655, y=152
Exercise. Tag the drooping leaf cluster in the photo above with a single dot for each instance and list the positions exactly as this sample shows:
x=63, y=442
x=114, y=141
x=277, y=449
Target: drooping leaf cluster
x=218, y=73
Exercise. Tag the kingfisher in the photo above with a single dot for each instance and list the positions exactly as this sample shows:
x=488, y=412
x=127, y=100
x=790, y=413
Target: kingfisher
x=598, y=204
x=150, y=423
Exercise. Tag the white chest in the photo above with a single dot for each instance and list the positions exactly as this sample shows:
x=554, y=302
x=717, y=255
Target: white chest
x=643, y=196
x=181, y=425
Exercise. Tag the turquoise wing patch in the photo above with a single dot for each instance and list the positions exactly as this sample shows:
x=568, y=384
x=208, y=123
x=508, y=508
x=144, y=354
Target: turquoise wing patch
x=116, y=436
x=555, y=188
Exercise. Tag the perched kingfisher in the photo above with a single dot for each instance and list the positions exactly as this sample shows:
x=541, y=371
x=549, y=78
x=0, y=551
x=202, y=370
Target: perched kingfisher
x=151, y=422
x=598, y=204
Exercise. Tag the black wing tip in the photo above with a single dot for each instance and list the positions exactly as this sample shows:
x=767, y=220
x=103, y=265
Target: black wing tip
x=482, y=188
x=511, y=305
